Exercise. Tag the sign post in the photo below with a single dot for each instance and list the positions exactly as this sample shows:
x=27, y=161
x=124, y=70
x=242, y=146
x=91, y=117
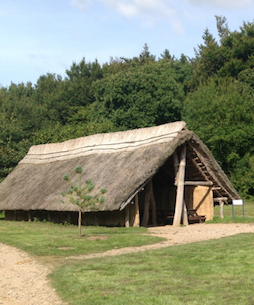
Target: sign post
x=237, y=202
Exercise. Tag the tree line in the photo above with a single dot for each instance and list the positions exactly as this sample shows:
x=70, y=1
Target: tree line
x=213, y=92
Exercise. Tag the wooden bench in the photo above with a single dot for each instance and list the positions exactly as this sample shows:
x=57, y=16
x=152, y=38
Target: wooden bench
x=193, y=216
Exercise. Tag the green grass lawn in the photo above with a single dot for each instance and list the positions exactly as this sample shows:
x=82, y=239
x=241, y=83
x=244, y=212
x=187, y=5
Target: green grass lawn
x=210, y=272
x=238, y=213
x=49, y=239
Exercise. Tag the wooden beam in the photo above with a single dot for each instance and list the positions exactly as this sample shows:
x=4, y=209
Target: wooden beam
x=209, y=171
x=200, y=170
x=201, y=183
x=216, y=188
x=218, y=199
x=180, y=188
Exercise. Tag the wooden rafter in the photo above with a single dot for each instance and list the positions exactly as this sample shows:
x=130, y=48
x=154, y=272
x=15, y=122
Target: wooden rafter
x=207, y=173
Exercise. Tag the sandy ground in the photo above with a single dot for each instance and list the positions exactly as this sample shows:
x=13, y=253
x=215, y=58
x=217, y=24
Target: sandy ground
x=23, y=281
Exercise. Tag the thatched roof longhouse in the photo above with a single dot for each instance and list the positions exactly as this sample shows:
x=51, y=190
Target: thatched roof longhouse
x=121, y=162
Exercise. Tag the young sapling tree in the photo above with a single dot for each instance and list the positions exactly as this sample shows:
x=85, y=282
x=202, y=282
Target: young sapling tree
x=80, y=195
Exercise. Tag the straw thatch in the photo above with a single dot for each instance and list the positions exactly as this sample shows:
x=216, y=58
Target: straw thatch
x=121, y=162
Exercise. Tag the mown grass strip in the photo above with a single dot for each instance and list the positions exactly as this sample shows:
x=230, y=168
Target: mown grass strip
x=210, y=272
x=48, y=239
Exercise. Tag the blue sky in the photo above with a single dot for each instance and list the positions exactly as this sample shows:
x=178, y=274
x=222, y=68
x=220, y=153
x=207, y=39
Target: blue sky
x=46, y=36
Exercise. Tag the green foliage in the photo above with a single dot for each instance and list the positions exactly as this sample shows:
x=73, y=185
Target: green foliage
x=80, y=195
x=222, y=27
x=142, y=96
x=78, y=90
x=222, y=113
x=213, y=92
x=243, y=175
x=86, y=102
x=233, y=54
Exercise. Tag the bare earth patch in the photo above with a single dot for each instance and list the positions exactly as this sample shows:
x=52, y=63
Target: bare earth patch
x=23, y=281
x=98, y=237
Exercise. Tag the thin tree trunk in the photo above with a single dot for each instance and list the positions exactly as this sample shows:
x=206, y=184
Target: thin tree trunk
x=79, y=222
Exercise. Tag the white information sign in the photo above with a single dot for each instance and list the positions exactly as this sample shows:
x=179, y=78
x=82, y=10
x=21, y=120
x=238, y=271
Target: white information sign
x=238, y=202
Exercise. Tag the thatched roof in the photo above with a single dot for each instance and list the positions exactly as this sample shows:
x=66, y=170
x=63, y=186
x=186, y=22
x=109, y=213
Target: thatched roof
x=121, y=162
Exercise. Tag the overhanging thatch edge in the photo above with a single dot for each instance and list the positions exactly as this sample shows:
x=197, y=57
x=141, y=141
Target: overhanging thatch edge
x=180, y=139
x=183, y=137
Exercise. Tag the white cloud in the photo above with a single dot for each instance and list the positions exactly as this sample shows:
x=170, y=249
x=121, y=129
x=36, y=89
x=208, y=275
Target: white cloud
x=128, y=10
x=149, y=12
x=226, y=4
x=81, y=4
x=141, y=8
x=131, y=8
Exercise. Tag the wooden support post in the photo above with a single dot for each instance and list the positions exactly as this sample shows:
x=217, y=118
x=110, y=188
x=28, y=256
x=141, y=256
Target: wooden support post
x=180, y=188
x=176, y=166
x=146, y=212
x=127, y=216
x=185, y=221
x=136, y=222
x=149, y=201
x=221, y=209
x=153, y=204
x=184, y=211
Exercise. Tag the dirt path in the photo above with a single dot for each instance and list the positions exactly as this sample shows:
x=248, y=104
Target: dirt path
x=23, y=281
x=179, y=235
